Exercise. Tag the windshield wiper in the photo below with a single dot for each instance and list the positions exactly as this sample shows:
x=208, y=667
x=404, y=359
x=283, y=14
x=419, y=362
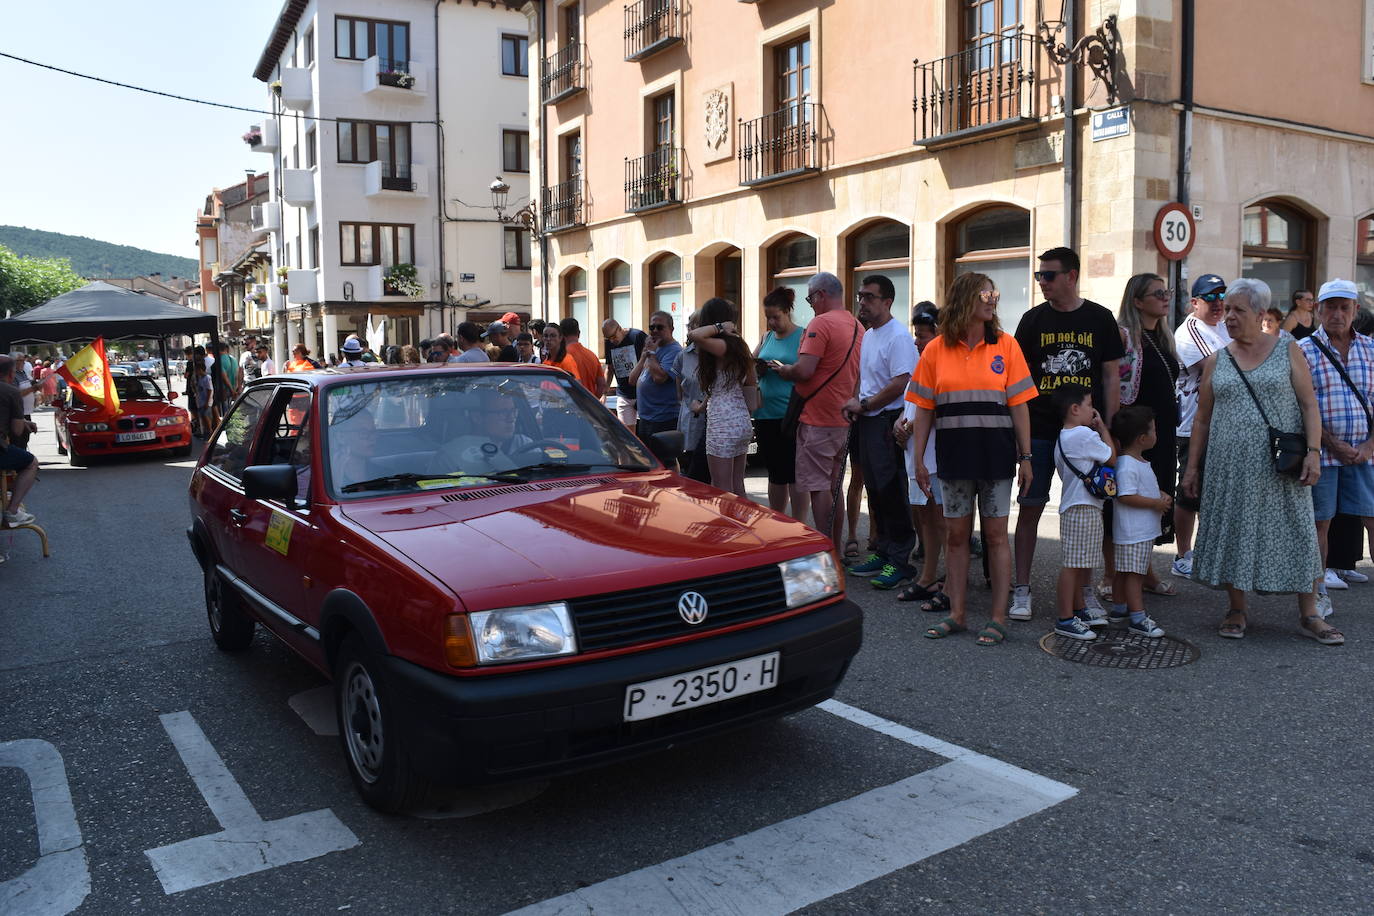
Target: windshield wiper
x=562, y=466
x=377, y=483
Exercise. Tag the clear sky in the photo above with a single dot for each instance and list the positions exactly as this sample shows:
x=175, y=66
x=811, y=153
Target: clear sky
x=109, y=163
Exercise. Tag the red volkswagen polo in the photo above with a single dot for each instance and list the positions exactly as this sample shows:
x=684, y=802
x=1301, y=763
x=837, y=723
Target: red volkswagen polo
x=148, y=421
x=502, y=581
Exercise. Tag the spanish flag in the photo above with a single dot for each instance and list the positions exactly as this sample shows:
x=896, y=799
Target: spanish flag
x=88, y=372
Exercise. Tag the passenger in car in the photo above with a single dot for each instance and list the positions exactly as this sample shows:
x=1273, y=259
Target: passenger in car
x=352, y=442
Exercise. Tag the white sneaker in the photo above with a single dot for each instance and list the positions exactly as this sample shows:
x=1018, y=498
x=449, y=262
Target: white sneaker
x=1324, y=607
x=1334, y=581
x=19, y=517
x=1353, y=577
x=1020, y=603
x=1183, y=566
x=1091, y=604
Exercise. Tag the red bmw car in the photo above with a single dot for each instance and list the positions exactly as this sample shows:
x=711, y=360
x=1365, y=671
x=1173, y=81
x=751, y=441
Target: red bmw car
x=147, y=422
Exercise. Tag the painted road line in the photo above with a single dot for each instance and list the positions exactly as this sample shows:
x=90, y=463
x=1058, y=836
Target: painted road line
x=247, y=844
x=803, y=860
x=316, y=708
x=59, y=881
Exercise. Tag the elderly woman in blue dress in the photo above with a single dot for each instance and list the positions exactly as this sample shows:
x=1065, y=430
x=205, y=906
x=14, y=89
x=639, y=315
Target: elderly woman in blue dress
x=1257, y=532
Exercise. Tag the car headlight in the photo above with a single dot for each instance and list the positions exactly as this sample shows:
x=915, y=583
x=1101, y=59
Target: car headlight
x=170, y=421
x=809, y=579
x=521, y=633
x=95, y=427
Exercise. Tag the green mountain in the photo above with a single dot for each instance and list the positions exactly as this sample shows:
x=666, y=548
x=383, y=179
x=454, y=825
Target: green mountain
x=92, y=258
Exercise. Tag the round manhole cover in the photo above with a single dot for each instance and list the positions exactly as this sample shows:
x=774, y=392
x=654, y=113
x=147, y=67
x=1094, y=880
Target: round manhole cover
x=1117, y=648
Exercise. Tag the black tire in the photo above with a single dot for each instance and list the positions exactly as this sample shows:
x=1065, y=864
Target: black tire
x=374, y=748
x=182, y=452
x=230, y=626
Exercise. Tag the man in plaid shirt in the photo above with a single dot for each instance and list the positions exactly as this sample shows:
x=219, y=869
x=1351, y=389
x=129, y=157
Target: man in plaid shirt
x=1347, y=409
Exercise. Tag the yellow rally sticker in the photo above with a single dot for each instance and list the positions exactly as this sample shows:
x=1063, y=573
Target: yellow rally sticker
x=279, y=532
x=555, y=453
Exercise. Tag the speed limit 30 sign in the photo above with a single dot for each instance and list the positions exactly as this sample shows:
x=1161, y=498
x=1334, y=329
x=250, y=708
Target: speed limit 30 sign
x=1175, y=231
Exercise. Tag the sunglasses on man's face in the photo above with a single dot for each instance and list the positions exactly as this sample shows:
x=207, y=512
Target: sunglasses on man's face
x=658, y=327
x=1213, y=297
x=1047, y=276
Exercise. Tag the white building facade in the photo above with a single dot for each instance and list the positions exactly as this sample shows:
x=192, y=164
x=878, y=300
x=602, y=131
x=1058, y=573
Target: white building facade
x=387, y=114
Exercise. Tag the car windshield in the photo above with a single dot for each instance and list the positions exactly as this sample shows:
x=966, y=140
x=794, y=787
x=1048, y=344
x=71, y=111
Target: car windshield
x=431, y=430
x=136, y=388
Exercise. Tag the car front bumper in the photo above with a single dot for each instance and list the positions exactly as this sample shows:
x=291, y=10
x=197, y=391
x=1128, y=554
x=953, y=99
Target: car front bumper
x=511, y=727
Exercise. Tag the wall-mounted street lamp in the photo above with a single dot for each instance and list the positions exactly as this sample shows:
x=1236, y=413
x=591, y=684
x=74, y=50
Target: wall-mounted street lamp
x=525, y=217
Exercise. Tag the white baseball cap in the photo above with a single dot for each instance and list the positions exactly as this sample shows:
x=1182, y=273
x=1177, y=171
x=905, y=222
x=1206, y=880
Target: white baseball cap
x=1338, y=289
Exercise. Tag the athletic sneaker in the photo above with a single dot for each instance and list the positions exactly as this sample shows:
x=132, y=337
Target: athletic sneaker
x=1073, y=628
x=869, y=567
x=1091, y=603
x=1146, y=627
x=1183, y=566
x=1020, y=603
x=1118, y=618
x=18, y=517
x=1353, y=577
x=1334, y=581
x=1324, y=605
x=1093, y=618
x=892, y=576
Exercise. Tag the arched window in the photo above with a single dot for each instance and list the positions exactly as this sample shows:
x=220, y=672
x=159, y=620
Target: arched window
x=1364, y=260
x=616, y=277
x=885, y=248
x=575, y=297
x=792, y=261
x=665, y=276
x=1278, y=242
x=996, y=242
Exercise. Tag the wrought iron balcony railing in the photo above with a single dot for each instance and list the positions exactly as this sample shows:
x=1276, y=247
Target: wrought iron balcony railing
x=561, y=74
x=780, y=145
x=560, y=206
x=651, y=26
x=985, y=88
x=653, y=180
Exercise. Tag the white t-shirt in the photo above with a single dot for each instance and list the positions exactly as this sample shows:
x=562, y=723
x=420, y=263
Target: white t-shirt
x=1195, y=340
x=1083, y=446
x=23, y=376
x=1131, y=525
x=269, y=367
x=887, y=351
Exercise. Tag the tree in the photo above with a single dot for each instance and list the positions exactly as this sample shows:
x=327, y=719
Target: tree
x=26, y=282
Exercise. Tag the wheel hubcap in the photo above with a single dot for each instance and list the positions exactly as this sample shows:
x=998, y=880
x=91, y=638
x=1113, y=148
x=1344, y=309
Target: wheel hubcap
x=363, y=718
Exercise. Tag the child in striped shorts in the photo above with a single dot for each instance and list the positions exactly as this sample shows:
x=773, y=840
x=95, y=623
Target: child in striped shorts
x=1083, y=442
x=1135, y=518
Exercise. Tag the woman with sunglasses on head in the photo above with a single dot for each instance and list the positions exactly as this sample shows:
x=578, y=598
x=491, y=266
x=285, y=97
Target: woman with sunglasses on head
x=1149, y=374
x=725, y=370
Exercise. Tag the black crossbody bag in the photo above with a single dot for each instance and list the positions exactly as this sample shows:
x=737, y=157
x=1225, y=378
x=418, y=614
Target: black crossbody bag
x=1345, y=376
x=791, y=419
x=1288, y=450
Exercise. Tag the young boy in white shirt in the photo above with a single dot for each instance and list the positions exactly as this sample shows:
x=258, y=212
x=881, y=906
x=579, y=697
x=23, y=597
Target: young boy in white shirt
x=1083, y=442
x=1135, y=518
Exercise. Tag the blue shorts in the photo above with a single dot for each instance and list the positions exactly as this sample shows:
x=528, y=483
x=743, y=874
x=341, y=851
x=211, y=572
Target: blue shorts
x=1042, y=467
x=14, y=458
x=1348, y=489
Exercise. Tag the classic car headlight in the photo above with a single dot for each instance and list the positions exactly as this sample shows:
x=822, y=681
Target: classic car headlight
x=94, y=427
x=520, y=633
x=170, y=421
x=809, y=579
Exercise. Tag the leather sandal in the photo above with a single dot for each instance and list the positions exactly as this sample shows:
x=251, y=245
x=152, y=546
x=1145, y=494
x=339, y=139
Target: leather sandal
x=1233, y=630
x=1327, y=635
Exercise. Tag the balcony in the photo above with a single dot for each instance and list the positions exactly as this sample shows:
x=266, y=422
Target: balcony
x=265, y=217
x=375, y=288
x=651, y=26
x=561, y=74
x=408, y=182
x=981, y=91
x=779, y=146
x=297, y=91
x=390, y=80
x=270, y=140
x=303, y=286
x=298, y=187
x=653, y=181
x=560, y=206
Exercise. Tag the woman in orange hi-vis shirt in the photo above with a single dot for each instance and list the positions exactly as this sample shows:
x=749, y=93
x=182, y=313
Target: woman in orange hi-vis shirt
x=300, y=360
x=971, y=385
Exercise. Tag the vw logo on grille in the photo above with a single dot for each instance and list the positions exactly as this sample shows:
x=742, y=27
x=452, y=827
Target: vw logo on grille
x=692, y=607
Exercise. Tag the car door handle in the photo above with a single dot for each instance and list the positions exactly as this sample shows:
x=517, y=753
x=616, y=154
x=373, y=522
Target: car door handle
x=238, y=516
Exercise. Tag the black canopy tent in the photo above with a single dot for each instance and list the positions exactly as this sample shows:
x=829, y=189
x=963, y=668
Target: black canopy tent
x=103, y=310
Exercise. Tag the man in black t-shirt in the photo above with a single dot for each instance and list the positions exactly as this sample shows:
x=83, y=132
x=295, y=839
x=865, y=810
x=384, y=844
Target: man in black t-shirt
x=623, y=349
x=1066, y=340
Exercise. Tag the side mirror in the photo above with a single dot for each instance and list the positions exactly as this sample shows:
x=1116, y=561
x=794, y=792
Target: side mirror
x=270, y=481
x=667, y=446
x=173, y=395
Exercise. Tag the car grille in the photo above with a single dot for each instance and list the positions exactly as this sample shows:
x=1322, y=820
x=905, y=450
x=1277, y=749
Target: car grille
x=646, y=614
x=134, y=423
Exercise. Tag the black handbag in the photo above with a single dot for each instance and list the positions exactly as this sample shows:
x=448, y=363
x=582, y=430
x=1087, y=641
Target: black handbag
x=1289, y=450
x=791, y=418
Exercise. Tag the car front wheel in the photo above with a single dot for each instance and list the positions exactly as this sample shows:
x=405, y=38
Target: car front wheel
x=230, y=626
x=376, y=752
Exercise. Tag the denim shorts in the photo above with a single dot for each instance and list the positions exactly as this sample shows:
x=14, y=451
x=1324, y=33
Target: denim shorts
x=1042, y=467
x=1348, y=489
x=14, y=458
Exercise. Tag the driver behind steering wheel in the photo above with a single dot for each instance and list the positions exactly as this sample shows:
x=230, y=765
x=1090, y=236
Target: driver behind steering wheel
x=491, y=443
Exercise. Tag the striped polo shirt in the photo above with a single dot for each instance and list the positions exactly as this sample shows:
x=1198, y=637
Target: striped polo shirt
x=972, y=393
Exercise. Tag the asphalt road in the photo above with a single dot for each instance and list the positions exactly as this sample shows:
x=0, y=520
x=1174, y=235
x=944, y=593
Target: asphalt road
x=1237, y=784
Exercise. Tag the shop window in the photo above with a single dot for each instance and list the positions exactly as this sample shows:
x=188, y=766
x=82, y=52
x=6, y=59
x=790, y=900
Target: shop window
x=1364, y=261
x=619, y=304
x=884, y=248
x=665, y=277
x=792, y=262
x=1277, y=242
x=575, y=299
x=996, y=242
